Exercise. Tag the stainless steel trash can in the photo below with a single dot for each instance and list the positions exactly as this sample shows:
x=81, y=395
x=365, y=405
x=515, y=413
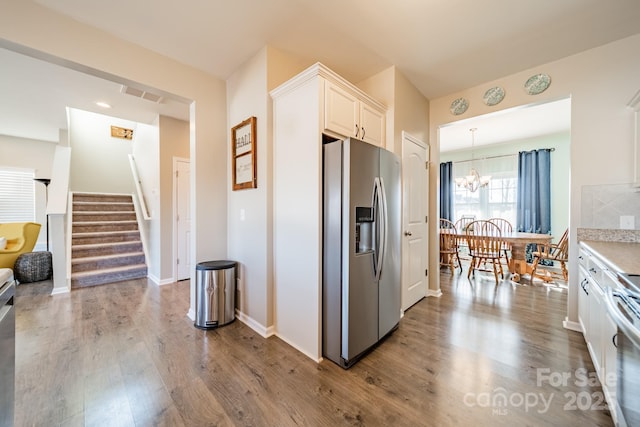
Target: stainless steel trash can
x=215, y=293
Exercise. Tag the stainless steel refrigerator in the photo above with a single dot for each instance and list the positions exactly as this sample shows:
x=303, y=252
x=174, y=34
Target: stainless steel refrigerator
x=361, y=248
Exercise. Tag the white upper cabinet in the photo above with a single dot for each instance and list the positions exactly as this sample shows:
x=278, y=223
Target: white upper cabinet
x=348, y=115
x=372, y=122
x=341, y=111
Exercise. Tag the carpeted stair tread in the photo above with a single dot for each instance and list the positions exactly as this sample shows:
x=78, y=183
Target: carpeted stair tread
x=102, y=245
x=80, y=227
x=87, y=213
x=98, y=202
x=119, y=216
x=103, y=226
x=108, y=270
x=107, y=248
x=126, y=221
x=97, y=263
x=101, y=197
x=108, y=207
x=88, y=237
x=104, y=257
x=108, y=275
x=103, y=233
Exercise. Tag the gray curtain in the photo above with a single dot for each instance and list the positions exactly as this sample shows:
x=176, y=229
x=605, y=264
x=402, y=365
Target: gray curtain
x=446, y=190
x=534, y=191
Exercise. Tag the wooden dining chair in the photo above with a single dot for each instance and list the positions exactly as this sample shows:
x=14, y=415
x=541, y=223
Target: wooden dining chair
x=461, y=225
x=449, y=245
x=558, y=252
x=485, y=246
x=505, y=228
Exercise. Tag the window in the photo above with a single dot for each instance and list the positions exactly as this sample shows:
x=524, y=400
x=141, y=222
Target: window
x=498, y=199
x=17, y=195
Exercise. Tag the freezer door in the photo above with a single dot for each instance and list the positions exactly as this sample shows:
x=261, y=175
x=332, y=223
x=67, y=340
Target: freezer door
x=332, y=252
x=360, y=289
x=389, y=285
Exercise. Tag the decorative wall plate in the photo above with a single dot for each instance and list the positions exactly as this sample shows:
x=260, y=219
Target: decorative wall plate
x=493, y=96
x=459, y=106
x=537, y=83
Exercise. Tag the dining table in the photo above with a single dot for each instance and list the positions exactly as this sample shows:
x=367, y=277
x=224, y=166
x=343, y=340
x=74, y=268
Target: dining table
x=518, y=240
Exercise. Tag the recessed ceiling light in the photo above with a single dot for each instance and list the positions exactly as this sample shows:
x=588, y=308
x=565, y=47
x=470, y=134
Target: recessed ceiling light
x=103, y=104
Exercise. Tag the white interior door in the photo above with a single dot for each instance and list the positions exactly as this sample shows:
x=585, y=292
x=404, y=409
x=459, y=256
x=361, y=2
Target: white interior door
x=415, y=200
x=183, y=218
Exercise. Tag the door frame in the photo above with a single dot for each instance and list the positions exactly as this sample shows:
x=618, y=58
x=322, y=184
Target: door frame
x=408, y=138
x=174, y=233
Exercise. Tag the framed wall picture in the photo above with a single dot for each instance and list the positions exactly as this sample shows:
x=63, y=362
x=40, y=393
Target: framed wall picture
x=243, y=155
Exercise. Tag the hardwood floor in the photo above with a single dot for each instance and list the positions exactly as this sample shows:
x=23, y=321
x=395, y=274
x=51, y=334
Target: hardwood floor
x=126, y=355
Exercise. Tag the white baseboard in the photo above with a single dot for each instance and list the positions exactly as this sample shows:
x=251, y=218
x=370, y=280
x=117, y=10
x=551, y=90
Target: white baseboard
x=62, y=289
x=191, y=314
x=572, y=326
x=434, y=293
x=259, y=328
x=58, y=291
x=267, y=332
x=160, y=282
x=164, y=282
x=310, y=356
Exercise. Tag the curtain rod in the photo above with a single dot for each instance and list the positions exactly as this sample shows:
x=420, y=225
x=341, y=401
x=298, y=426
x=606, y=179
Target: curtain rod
x=495, y=157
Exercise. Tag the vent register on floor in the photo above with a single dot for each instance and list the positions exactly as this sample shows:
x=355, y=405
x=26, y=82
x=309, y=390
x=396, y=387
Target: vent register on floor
x=105, y=242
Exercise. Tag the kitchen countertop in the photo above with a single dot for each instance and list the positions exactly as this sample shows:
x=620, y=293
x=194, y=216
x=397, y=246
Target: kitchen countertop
x=623, y=256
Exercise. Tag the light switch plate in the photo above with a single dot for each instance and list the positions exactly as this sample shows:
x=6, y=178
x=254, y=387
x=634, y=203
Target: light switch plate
x=627, y=222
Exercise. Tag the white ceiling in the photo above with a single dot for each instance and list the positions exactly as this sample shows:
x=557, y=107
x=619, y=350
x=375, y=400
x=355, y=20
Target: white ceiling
x=442, y=46
x=34, y=95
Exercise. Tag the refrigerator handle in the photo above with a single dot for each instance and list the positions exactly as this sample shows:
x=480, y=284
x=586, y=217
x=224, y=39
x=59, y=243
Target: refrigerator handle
x=383, y=244
x=380, y=223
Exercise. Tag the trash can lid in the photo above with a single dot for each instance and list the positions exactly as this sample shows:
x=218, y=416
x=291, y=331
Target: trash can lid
x=216, y=265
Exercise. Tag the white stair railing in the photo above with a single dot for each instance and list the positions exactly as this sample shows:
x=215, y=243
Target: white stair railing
x=139, y=192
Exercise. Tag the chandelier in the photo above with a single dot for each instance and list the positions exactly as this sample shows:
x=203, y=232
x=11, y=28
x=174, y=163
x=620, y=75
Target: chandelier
x=473, y=180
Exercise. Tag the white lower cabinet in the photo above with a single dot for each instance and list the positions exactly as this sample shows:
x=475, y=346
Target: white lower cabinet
x=597, y=314
x=609, y=379
x=583, y=299
x=598, y=328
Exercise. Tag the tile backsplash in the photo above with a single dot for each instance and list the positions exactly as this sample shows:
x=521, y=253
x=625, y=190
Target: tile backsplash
x=612, y=207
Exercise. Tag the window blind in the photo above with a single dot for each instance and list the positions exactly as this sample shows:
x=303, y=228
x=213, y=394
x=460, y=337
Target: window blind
x=17, y=195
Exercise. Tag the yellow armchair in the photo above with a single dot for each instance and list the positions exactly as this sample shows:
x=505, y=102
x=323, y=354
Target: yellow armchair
x=21, y=237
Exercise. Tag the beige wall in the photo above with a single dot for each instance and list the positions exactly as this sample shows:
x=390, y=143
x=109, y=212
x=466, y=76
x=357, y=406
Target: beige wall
x=174, y=142
x=250, y=211
x=248, y=231
x=600, y=82
x=32, y=29
x=411, y=112
x=99, y=162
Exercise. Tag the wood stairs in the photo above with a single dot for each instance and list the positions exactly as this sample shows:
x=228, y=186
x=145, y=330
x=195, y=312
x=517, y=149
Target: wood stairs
x=105, y=240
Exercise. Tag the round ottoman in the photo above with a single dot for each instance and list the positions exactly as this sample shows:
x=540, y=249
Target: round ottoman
x=33, y=267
